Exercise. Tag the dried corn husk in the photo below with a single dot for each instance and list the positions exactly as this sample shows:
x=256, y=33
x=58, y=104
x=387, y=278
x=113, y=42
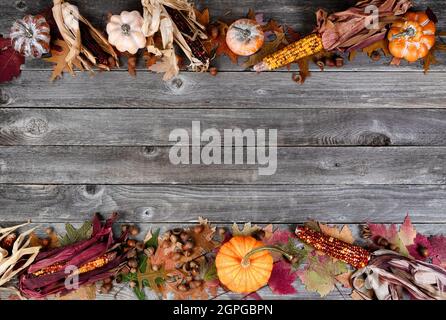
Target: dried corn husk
x=67, y=18
x=157, y=19
x=20, y=252
x=388, y=273
x=36, y=282
x=348, y=30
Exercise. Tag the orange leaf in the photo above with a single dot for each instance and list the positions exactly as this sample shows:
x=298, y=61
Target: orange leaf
x=203, y=17
x=378, y=45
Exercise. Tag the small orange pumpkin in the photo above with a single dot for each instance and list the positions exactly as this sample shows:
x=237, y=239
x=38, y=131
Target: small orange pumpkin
x=241, y=269
x=412, y=37
x=245, y=37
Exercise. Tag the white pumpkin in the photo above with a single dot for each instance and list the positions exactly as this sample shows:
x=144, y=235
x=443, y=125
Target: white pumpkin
x=125, y=32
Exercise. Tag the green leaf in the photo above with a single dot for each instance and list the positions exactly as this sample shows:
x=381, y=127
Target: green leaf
x=211, y=273
x=74, y=235
x=142, y=263
x=140, y=294
x=153, y=241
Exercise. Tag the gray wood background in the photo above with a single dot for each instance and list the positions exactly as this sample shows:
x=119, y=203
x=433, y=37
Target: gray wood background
x=361, y=143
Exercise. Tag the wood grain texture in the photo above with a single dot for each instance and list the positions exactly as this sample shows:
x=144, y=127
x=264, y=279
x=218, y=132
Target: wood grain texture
x=300, y=15
x=276, y=203
x=227, y=90
x=143, y=165
x=306, y=127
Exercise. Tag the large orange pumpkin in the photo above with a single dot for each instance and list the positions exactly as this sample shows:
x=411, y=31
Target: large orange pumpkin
x=412, y=37
x=241, y=273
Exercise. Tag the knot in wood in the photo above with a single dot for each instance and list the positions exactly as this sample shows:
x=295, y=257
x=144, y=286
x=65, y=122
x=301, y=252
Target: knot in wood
x=149, y=150
x=21, y=5
x=177, y=83
x=4, y=97
x=374, y=139
x=36, y=127
x=91, y=189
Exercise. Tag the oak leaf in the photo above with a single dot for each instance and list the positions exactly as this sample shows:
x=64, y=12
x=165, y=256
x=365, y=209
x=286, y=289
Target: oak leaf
x=248, y=229
x=59, y=52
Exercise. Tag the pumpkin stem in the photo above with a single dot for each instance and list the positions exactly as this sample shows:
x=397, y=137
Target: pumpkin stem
x=244, y=32
x=409, y=32
x=245, y=260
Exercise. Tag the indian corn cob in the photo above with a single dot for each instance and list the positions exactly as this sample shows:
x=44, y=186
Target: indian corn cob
x=354, y=255
x=89, y=266
x=193, y=41
x=297, y=50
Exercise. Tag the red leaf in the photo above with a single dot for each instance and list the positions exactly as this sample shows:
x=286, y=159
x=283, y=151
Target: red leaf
x=434, y=246
x=382, y=230
x=282, y=279
x=10, y=61
x=279, y=237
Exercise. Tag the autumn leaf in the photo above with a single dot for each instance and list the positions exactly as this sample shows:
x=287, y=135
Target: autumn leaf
x=74, y=235
x=248, y=229
x=434, y=249
x=344, y=279
x=167, y=64
x=204, y=240
x=279, y=236
x=378, y=45
x=59, y=52
x=203, y=17
x=52, y=240
x=282, y=279
x=407, y=232
x=83, y=293
x=320, y=273
x=344, y=234
x=220, y=43
x=151, y=277
x=10, y=61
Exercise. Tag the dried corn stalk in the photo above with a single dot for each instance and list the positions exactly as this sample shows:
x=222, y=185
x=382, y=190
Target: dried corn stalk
x=20, y=252
x=70, y=23
x=176, y=22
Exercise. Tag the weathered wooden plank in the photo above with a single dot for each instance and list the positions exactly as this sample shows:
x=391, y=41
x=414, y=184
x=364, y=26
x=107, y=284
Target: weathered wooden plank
x=295, y=165
x=297, y=14
x=228, y=90
x=276, y=203
x=306, y=127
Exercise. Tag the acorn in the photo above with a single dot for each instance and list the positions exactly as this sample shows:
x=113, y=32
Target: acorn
x=134, y=230
x=339, y=62
x=118, y=278
x=131, y=254
x=213, y=71
x=131, y=243
x=49, y=230
x=195, y=284
x=222, y=231
x=132, y=263
x=155, y=267
x=214, y=32
x=125, y=270
x=166, y=244
x=177, y=231
x=140, y=246
x=133, y=270
x=132, y=284
x=375, y=56
x=365, y=231
x=423, y=251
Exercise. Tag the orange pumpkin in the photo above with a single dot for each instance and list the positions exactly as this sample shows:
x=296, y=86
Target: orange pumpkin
x=245, y=37
x=412, y=37
x=239, y=268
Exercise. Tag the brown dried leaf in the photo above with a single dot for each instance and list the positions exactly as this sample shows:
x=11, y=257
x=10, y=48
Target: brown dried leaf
x=248, y=229
x=429, y=60
x=378, y=45
x=35, y=241
x=204, y=240
x=220, y=43
x=58, y=54
x=203, y=17
x=83, y=293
